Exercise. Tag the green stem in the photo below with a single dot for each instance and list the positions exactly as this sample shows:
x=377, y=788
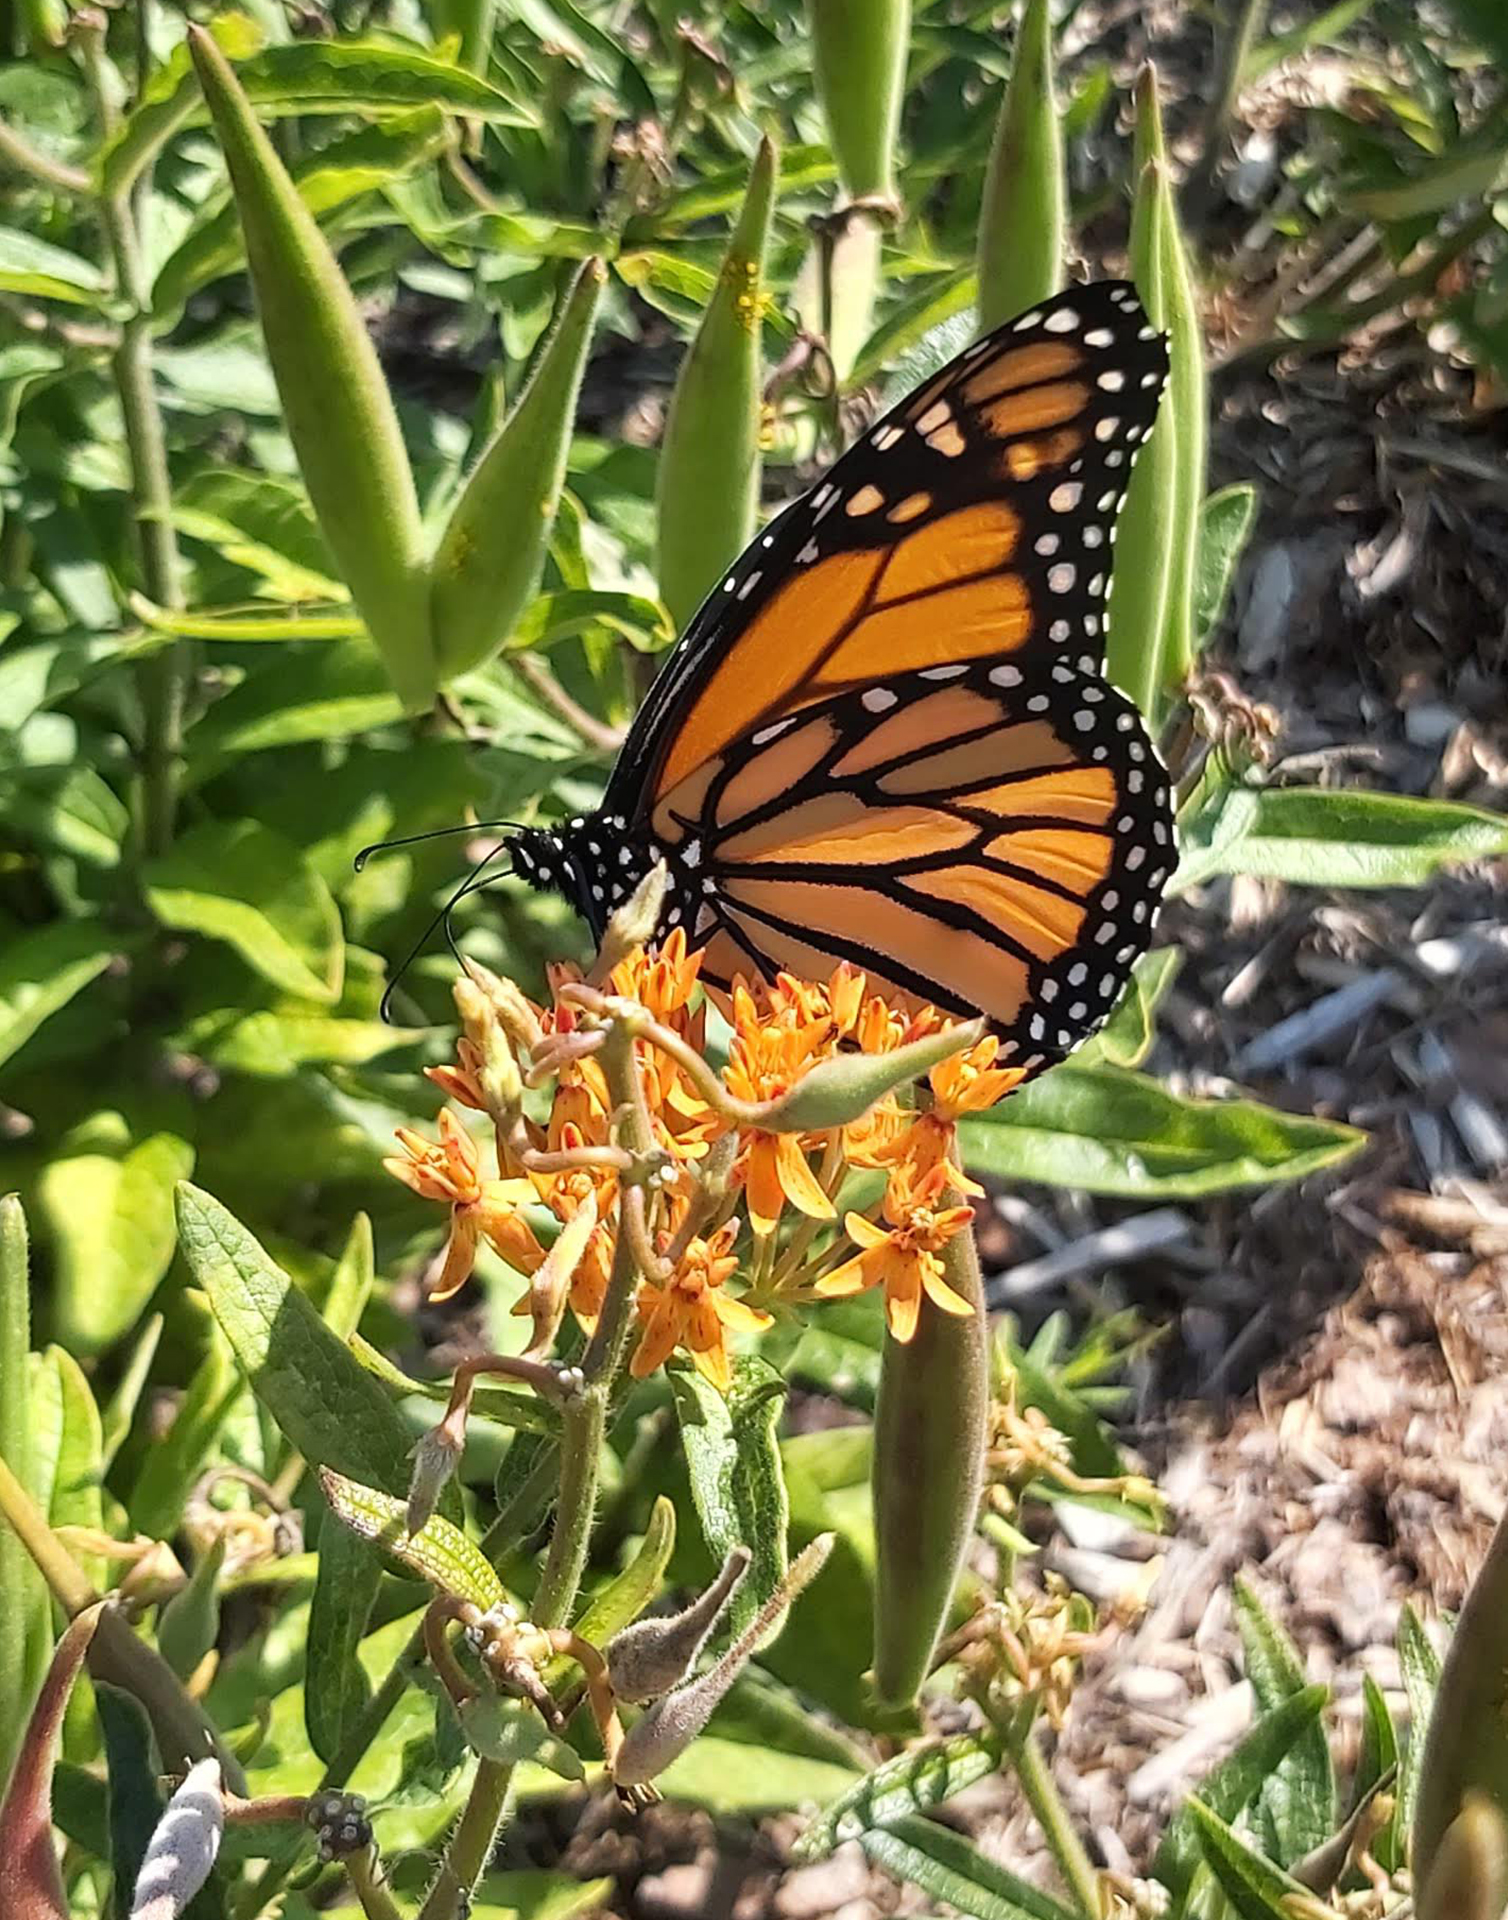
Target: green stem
x=471, y=1844
x=70, y=1586
x=1057, y=1828
x=21, y=154
x=160, y=678
x=370, y=1889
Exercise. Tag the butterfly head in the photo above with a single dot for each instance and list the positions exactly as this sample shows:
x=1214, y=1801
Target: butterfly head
x=593, y=861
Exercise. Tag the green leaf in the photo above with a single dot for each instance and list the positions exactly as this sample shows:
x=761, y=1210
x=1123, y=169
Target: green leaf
x=176, y=1461
x=1126, y=1038
x=1230, y=1787
x=326, y=693
x=1379, y=1757
x=25, y=1610
x=552, y=617
x=121, y=1408
x=282, y=578
x=737, y=1483
x=42, y=970
x=511, y=1733
x=336, y=1415
x=1255, y=1888
x=1225, y=523
x=623, y=1599
x=945, y=1866
x=943, y=298
x=1419, y=1665
x=71, y=809
x=77, y=1470
x=1110, y=1131
x=45, y=272
x=352, y=1282
x=439, y=1552
x=189, y=1625
x=305, y=76
x=1333, y=837
x=538, y=1895
x=330, y=177
x=272, y=1045
x=109, y=1213
x=236, y=881
x=336, y=1691
x=1298, y=1801
x=912, y=1783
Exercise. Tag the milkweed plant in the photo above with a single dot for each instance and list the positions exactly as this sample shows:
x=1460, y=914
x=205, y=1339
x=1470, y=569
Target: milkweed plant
x=280, y=1616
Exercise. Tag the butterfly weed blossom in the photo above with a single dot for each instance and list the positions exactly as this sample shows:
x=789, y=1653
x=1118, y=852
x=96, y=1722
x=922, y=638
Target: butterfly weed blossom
x=730, y=1203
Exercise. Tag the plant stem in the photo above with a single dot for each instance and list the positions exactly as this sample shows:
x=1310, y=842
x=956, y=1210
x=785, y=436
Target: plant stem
x=1236, y=51
x=71, y=1587
x=370, y=1889
x=160, y=678
x=19, y=151
x=471, y=1844
x=1057, y=1828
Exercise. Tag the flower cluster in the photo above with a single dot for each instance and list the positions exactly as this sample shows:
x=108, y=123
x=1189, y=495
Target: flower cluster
x=621, y=1148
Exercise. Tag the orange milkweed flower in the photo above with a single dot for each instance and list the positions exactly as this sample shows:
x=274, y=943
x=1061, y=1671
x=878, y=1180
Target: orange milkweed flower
x=565, y=1194
x=450, y=1171
x=693, y=1312
x=769, y=1053
x=969, y=1082
x=904, y=1260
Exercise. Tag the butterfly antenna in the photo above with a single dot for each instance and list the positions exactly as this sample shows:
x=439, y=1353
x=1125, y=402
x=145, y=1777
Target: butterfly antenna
x=435, y=833
x=440, y=918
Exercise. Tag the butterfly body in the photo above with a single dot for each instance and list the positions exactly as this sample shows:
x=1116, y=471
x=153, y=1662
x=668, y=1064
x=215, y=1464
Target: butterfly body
x=886, y=737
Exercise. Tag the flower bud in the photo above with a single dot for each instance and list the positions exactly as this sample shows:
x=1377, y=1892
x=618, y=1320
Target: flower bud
x=436, y=1455
x=183, y=1847
x=189, y=1624
x=635, y=923
x=669, y=1727
x=650, y=1657
x=497, y=1071
x=841, y=1090
x=550, y=1286
x=513, y=1012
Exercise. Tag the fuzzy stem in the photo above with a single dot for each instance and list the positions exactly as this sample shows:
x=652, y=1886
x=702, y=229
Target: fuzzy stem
x=160, y=678
x=21, y=154
x=370, y=1889
x=1057, y=1828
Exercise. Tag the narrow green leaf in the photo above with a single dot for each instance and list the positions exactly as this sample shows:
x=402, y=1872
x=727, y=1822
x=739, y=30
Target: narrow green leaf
x=109, y=1213
x=352, y=1282
x=326, y=693
x=120, y=1411
x=1231, y=1786
x=737, y=1483
x=1256, y=1889
x=1225, y=523
x=945, y=1866
x=552, y=617
x=25, y=1611
x=1335, y=837
x=336, y=405
x=254, y=627
x=1298, y=1800
x=708, y=488
x=237, y=881
x=355, y=163
x=912, y=1783
x=1111, y=1131
x=1379, y=1757
x=1022, y=222
x=305, y=76
x=42, y=271
x=482, y=580
x=1188, y=394
x=336, y=1690
x=438, y=1552
x=1126, y=1038
x=624, y=1598
x=273, y=1045
x=328, y=1408
x=537, y=1895
x=177, y=1460
x=506, y=1405
x=41, y=971
x=78, y=1468
x=943, y=301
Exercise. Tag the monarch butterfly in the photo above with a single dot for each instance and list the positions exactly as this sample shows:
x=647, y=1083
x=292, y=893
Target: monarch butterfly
x=886, y=736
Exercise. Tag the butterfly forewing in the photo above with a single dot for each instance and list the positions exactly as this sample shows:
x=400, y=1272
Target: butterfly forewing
x=973, y=521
